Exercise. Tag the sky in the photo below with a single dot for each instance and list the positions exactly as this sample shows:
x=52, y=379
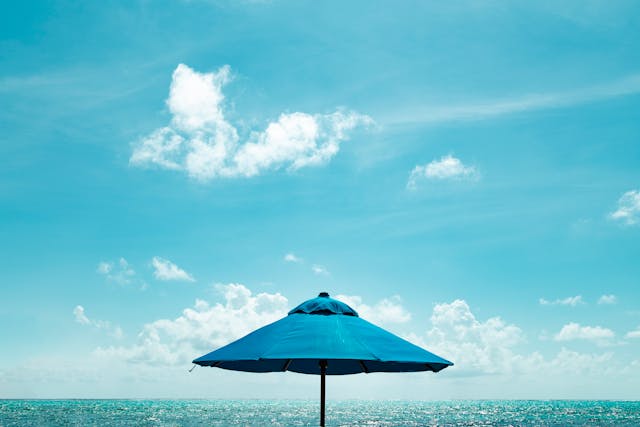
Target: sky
x=175, y=174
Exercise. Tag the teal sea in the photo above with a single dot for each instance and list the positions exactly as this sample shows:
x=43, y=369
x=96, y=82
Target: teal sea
x=302, y=413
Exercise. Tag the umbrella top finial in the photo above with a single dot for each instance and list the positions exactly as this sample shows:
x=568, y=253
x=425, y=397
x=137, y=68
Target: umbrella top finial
x=323, y=304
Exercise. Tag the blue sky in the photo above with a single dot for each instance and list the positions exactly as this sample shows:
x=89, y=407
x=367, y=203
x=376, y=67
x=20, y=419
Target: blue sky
x=175, y=174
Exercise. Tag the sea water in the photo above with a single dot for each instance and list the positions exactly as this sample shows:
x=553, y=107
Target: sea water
x=302, y=413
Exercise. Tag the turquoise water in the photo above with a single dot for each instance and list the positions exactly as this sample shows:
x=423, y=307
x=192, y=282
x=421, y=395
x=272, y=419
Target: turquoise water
x=300, y=413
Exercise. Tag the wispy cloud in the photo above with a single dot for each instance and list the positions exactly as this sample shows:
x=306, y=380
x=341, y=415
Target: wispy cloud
x=574, y=331
x=491, y=108
x=570, y=301
x=166, y=270
x=38, y=81
x=291, y=257
x=203, y=143
x=319, y=270
x=104, y=267
x=121, y=272
x=446, y=168
x=607, y=299
x=633, y=334
x=628, y=210
x=81, y=318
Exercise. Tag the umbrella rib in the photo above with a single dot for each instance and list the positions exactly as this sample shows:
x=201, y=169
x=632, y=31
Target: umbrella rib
x=363, y=366
x=286, y=365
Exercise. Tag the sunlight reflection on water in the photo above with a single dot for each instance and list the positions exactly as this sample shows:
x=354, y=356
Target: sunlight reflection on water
x=300, y=413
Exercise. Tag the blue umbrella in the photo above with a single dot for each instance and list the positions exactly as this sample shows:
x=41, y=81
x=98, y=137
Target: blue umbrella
x=322, y=336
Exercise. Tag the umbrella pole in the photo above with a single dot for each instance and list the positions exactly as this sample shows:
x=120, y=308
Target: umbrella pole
x=323, y=372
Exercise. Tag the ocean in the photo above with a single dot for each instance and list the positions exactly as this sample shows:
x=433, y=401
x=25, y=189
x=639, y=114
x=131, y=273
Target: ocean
x=303, y=413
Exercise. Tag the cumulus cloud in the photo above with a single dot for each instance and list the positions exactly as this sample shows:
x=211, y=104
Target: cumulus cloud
x=81, y=318
x=121, y=272
x=574, y=331
x=607, y=299
x=385, y=311
x=203, y=143
x=291, y=257
x=202, y=328
x=166, y=270
x=446, y=168
x=476, y=347
x=205, y=326
x=570, y=301
x=491, y=347
x=628, y=211
x=633, y=334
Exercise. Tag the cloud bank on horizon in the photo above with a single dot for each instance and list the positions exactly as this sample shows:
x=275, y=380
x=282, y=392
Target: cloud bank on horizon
x=201, y=142
x=490, y=347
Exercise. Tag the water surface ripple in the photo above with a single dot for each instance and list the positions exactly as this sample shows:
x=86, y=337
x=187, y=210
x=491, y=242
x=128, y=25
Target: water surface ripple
x=303, y=413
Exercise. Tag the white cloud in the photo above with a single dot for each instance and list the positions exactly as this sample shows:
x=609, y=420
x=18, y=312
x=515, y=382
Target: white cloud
x=486, y=353
x=446, y=168
x=633, y=334
x=195, y=100
x=570, y=301
x=78, y=313
x=573, y=362
x=121, y=273
x=80, y=317
x=104, y=267
x=490, y=347
x=476, y=347
x=607, y=299
x=628, y=211
x=201, y=142
x=202, y=328
x=291, y=257
x=573, y=331
x=319, y=270
x=166, y=270
x=385, y=311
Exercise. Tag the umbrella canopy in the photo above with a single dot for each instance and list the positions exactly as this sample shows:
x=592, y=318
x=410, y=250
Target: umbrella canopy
x=322, y=336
